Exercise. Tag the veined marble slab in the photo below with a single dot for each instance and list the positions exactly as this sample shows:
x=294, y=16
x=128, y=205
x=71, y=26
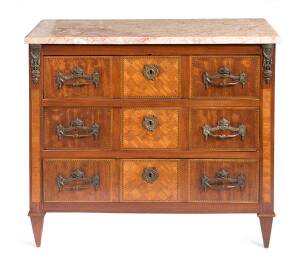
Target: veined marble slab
x=192, y=31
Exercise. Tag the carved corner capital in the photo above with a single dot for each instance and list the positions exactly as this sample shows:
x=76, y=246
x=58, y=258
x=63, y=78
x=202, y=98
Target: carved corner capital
x=35, y=62
x=267, y=51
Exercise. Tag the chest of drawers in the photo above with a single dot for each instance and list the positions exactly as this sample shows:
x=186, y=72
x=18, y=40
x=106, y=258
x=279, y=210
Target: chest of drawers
x=156, y=116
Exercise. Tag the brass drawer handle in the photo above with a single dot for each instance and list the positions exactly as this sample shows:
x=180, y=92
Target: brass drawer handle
x=222, y=181
x=223, y=125
x=77, y=176
x=80, y=130
x=150, y=174
x=76, y=74
x=151, y=71
x=223, y=73
x=150, y=123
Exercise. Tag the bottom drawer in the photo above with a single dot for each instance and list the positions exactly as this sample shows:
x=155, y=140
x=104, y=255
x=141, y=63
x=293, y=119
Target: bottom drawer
x=150, y=180
x=77, y=180
x=224, y=181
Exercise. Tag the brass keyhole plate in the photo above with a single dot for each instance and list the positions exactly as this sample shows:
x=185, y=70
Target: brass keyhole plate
x=150, y=123
x=151, y=71
x=150, y=174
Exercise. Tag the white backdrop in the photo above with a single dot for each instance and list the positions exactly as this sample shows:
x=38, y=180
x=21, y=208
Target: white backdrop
x=144, y=237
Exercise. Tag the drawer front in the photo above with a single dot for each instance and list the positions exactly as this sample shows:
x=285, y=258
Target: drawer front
x=77, y=180
x=71, y=128
x=224, y=180
x=224, y=129
x=151, y=77
x=149, y=180
x=214, y=76
x=77, y=76
x=150, y=128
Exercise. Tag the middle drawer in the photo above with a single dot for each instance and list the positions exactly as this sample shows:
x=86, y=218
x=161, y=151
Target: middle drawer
x=217, y=129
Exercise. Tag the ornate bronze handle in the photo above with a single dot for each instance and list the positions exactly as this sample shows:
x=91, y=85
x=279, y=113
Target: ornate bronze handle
x=223, y=73
x=77, y=176
x=224, y=124
x=150, y=123
x=151, y=71
x=150, y=174
x=77, y=130
x=222, y=181
x=72, y=79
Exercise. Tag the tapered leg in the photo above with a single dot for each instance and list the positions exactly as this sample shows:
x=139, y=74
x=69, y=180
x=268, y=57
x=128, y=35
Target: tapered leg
x=266, y=227
x=37, y=222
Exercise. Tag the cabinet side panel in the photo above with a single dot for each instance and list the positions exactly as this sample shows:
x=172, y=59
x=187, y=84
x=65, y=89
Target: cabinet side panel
x=267, y=130
x=267, y=148
x=35, y=89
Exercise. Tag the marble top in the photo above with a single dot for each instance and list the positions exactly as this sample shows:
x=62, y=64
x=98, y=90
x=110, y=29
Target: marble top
x=192, y=31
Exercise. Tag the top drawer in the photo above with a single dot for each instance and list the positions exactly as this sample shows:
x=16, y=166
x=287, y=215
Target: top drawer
x=224, y=76
x=151, y=77
x=77, y=76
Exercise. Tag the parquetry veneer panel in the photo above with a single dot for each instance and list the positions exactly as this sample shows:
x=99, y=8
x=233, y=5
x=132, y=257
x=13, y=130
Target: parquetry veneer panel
x=164, y=136
x=165, y=82
x=135, y=188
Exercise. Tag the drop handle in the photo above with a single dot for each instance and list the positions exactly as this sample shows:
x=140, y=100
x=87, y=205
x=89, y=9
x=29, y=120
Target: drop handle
x=77, y=176
x=74, y=78
x=224, y=73
x=77, y=130
x=222, y=181
x=223, y=125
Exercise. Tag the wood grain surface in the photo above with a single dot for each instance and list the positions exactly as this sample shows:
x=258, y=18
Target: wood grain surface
x=236, y=64
x=89, y=65
x=90, y=116
x=64, y=168
x=248, y=117
x=249, y=169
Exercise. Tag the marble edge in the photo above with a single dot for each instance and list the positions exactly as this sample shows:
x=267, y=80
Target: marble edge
x=271, y=38
x=154, y=40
